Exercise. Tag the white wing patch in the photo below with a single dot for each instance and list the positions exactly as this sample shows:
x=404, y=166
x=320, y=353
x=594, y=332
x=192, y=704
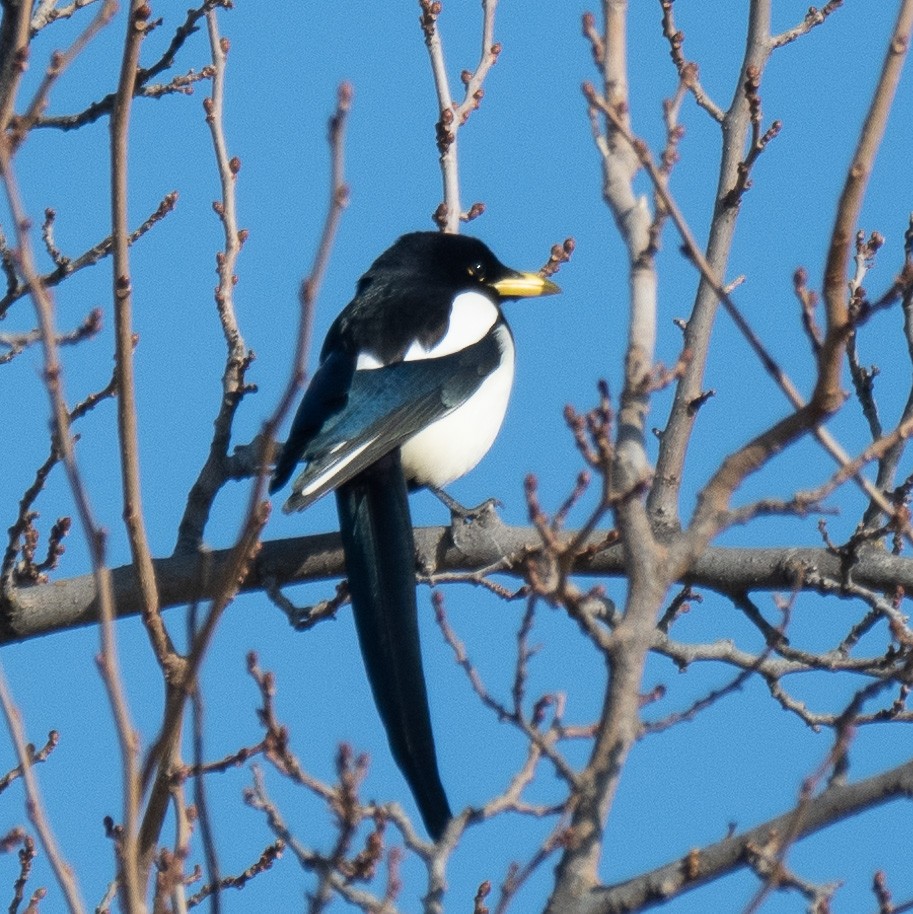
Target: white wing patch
x=471, y=317
x=332, y=470
x=367, y=361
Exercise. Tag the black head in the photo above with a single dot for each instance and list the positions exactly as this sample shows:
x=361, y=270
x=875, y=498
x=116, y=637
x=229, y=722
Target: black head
x=407, y=293
x=455, y=262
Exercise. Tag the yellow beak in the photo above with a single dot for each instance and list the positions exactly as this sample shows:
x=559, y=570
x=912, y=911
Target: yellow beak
x=524, y=285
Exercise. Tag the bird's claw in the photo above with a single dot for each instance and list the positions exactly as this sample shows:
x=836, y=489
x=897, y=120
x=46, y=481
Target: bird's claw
x=460, y=514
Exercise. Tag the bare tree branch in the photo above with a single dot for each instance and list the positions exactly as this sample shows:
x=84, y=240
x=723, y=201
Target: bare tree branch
x=452, y=115
x=43, y=608
x=62, y=870
x=700, y=866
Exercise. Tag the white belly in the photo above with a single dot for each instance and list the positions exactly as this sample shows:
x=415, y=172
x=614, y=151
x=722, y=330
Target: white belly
x=452, y=446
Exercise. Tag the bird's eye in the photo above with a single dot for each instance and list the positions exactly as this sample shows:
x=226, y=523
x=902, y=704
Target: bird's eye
x=477, y=271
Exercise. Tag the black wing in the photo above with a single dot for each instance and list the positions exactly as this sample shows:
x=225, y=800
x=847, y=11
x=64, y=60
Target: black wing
x=326, y=395
x=383, y=408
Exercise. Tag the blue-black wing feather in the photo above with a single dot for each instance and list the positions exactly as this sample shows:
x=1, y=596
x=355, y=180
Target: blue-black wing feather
x=339, y=431
x=326, y=396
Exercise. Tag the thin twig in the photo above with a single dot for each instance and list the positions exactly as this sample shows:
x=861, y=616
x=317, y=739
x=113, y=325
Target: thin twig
x=59, y=62
x=17, y=343
x=66, y=879
x=265, y=861
x=63, y=444
x=36, y=756
x=238, y=360
x=813, y=18
x=453, y=115
x=687, y=69
x=830, y=444
x=134, y=870
x=93, y=255
x=105, y=106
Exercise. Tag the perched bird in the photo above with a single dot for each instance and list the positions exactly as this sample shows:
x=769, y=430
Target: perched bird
x=411, y=390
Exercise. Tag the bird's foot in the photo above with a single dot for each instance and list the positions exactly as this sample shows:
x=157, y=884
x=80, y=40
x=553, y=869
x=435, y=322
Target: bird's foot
x=460, y=514
x=301, y=618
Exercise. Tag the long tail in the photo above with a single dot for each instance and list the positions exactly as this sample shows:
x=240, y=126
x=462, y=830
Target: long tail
x=376, y=530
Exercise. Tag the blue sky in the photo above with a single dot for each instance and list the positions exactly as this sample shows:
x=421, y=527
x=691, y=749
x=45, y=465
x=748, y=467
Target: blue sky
x=528, y=155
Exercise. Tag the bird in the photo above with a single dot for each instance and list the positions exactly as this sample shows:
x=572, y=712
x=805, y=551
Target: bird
x=410, y=391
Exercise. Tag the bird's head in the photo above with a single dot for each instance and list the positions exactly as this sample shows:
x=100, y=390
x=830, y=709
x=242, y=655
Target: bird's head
x=459, y=262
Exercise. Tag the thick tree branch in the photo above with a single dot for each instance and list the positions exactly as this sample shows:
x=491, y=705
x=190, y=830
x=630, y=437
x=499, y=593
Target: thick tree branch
x=699, y=867
x=182, y=579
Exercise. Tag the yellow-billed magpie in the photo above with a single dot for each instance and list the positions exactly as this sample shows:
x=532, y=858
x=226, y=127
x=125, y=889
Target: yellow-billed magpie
x=411, y=390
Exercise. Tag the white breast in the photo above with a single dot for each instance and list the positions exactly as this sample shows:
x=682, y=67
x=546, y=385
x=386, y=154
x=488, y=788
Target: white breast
x=452, y=446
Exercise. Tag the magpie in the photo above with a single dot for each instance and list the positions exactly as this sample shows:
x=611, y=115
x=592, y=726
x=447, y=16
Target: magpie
x=411, y=389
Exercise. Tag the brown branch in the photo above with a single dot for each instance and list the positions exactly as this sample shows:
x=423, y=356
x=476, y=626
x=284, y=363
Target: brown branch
x=544, y=742
x=836, y=803
x=310, y=286
x=14, y=53
x=17, y=343
x=8, y=266
x=265, y=862
x=27, y=854
x=181, y=677
x=813, y=18
x=758, y=142
x=217, y=469
x=36, y=756
x=257, y=798
x=59, y=61
x=182, y=84
x=67, y=266
x=827, y=388
x=133, y=869
x=45, y=608
x=808, y=300
x=66, y=879
x=488, y=56
x=239, y=358
x=888, y=465
x=64, y=445
x=453, y=115
x=105, y=106
x=26, y=515
x=662, y=501
x=123, y=324
x=804, y=503
x=687, y=69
